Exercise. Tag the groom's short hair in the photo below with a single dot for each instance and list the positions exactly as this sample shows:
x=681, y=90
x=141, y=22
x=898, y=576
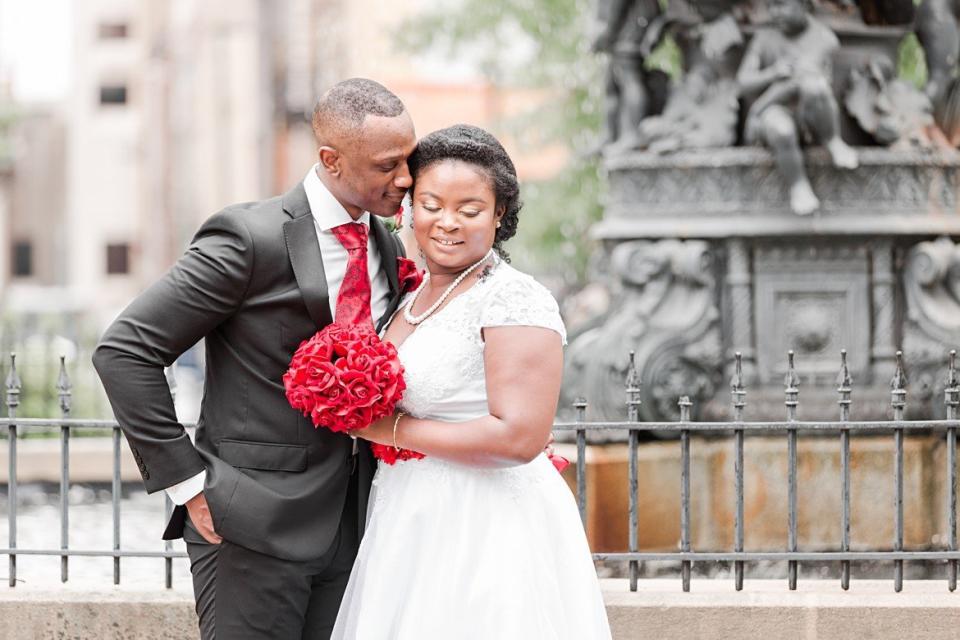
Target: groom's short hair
x=345, y=105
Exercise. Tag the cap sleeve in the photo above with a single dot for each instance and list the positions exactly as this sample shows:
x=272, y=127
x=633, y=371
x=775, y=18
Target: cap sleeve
x=522, y=301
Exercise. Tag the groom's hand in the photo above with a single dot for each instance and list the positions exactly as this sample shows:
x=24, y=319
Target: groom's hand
x=201, y=518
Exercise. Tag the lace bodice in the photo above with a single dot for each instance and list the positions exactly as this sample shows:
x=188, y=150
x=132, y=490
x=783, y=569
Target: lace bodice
x=443, y=357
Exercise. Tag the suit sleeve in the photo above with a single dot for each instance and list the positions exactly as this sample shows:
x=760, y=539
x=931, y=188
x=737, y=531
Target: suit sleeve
x=204, y=288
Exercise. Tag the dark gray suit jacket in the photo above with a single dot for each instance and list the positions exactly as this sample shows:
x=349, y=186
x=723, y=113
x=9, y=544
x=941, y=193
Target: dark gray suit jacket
x=252, y=284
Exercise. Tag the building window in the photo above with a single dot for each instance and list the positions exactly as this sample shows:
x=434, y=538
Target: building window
x=113, y=94
x=112, y=30
x=118, y=258
x=22, y=259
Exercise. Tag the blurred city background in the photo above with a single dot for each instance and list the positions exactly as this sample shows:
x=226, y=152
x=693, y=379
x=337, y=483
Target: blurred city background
x=125, y=123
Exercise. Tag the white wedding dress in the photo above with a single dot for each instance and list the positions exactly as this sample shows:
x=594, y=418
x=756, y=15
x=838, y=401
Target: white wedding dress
x=457, y=552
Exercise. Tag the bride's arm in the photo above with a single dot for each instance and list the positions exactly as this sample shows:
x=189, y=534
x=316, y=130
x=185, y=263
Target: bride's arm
x=524, y=366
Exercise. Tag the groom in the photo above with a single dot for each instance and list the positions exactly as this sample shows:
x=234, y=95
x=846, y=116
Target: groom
x=272, y=509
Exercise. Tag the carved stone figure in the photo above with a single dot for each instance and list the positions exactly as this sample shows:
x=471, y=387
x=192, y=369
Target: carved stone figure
x=702, y=111
x=937, y=29
x=666, y=313
x=628, y=96
x=785, y=77
x=863, y=276
x=931, y=282
x=891, y=110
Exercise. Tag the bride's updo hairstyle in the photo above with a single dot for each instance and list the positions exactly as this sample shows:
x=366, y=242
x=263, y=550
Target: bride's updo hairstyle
x=475, y=146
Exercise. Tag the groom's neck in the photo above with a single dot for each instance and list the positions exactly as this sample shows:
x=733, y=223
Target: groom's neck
x=334, y=187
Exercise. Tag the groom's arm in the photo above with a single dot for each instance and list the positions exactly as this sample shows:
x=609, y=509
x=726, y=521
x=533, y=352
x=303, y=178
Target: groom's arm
x=205, y=287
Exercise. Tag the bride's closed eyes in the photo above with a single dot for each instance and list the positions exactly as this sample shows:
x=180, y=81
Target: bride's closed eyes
x=432, y=208
x=430, y=203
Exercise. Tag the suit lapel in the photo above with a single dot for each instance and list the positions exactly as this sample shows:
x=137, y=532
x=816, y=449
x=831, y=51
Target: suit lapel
x=303, y=250
x=387, y=246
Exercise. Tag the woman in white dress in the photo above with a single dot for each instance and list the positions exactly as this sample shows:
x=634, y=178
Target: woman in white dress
x=480, y=539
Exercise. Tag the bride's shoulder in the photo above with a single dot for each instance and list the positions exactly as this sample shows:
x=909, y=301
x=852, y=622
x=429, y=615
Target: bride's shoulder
x=507, y=282
x=516, y=298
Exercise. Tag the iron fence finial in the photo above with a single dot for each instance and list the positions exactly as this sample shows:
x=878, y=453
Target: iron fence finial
x=899, y=381
x=844, y=381
x=64, y=386
x=952, y=369
x=791, y=380
x=13, y=383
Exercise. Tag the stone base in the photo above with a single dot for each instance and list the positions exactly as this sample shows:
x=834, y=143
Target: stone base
x=765, y=493
x=818, y=610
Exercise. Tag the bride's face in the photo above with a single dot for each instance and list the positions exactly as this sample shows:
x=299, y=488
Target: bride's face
x=454, y=215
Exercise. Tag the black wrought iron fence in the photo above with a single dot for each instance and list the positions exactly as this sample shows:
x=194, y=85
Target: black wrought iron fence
x=66, y=426
x=791, y=427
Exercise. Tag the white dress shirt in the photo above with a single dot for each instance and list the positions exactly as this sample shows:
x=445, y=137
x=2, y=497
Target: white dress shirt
x=327, y=214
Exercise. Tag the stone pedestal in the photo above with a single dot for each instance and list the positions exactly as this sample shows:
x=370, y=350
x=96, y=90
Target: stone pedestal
x=713, y=499
x=706, y=259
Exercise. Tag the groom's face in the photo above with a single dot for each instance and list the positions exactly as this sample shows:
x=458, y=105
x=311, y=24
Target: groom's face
x=373, y=164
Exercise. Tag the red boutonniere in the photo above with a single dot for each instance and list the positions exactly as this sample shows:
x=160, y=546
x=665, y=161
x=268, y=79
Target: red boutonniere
x=398, y=219
x=409, y=275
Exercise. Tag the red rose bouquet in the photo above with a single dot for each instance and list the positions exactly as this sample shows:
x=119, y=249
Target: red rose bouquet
x=344, y=378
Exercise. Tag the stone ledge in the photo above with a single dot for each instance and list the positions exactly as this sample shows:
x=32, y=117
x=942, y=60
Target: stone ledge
x=741, y=187
x=767, y=609
x=659, y=609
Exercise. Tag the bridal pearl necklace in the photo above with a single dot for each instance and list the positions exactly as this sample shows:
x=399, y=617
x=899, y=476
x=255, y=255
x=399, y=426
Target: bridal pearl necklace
x=415, y=320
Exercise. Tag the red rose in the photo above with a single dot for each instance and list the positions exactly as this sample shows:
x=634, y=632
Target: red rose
x=408, y=273
x=389, y=455
x=560, y=463
x=398, y=218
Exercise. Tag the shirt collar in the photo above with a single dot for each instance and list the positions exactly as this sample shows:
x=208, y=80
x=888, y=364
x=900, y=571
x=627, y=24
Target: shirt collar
x=327, y=211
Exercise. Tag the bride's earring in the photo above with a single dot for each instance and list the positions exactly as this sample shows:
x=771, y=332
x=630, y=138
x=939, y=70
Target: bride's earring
x=421, y=253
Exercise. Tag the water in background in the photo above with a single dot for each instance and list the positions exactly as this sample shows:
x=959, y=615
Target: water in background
x=91, y=527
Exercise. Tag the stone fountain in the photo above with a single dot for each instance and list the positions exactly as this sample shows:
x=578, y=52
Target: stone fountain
x=791, y=194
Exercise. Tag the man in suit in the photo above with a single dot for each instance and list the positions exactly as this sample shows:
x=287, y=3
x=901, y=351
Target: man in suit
x=272, y=509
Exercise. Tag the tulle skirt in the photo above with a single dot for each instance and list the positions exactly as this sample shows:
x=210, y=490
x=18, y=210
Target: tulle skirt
x=458, y=552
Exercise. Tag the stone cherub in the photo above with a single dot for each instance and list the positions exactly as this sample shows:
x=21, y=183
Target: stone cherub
x=894, y=112
x=702, y=110
x=785, y=79
x=628, y=97
x=938, y=31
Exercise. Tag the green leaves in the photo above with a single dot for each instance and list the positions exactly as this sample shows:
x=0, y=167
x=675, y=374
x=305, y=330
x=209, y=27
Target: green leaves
x=541, y=45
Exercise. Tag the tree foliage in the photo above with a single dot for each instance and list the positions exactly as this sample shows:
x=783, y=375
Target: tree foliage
x=543, y=45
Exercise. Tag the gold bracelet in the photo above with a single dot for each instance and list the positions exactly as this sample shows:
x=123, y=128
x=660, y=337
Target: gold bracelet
x=395, y=423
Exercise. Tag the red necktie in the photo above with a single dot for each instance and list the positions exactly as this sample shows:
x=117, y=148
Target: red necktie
x=353, y=301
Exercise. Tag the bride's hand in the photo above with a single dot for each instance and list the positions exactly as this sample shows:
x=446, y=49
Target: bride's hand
x=380, y=431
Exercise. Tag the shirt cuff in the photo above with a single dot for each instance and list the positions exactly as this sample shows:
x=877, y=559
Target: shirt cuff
x=182, y=492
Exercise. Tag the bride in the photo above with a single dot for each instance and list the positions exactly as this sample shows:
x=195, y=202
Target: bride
x=481, y=538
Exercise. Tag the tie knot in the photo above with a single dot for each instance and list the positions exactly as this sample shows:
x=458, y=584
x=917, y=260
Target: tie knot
x=352, y=235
